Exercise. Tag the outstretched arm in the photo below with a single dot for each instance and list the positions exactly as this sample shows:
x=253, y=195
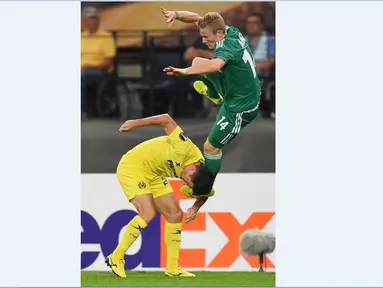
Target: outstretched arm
x=163, y=120
x=199, y=202
x=187, y=17
x=183, y=16
x=199, y=66
x=202, y=66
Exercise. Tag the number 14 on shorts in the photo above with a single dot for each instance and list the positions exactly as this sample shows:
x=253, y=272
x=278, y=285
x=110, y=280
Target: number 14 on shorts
x=222, y=124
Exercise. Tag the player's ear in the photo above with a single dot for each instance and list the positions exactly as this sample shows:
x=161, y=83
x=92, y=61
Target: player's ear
x=220, y=33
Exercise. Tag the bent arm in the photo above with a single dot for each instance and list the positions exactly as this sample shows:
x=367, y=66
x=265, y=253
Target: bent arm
x=187, y=17
x=203, y=66
x=199, y=202
x=163, y=120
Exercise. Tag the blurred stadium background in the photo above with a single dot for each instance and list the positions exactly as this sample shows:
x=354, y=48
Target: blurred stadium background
x=135, y=86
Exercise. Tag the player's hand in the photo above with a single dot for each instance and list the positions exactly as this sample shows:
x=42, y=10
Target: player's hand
x=171, y=71
x=170, y=16
x=191, y=214
x=128, y=126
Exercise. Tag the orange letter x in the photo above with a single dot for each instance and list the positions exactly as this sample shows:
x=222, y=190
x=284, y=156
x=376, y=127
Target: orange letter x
x=233, y=230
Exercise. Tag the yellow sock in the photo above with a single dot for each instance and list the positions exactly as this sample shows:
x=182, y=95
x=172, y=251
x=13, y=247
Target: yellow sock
x=133, y=231
x=173, y=244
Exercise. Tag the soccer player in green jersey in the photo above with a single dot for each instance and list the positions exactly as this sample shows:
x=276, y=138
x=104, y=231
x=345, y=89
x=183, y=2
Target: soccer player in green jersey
x=228, y=79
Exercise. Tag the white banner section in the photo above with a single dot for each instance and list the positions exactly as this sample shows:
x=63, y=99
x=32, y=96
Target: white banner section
x=210, y=242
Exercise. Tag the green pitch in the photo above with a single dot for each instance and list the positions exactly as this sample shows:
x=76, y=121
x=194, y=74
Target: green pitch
x=203, y=279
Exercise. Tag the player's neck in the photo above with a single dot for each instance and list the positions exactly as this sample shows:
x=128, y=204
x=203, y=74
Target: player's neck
x=221, y=38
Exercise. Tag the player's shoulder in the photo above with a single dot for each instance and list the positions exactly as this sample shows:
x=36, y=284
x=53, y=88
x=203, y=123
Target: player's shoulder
x=233, y=36
x=154, y=144
x=231, y=31
x=178, y=134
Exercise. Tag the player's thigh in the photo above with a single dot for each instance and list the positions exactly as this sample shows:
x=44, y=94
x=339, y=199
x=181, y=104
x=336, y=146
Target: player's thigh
x=242, y=120
x=168, y=206
x=247, y=117
x=160, y=186
x=132, y=182
x=224, y=129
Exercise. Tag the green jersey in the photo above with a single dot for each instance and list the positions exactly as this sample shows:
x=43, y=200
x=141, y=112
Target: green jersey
x=240, y=84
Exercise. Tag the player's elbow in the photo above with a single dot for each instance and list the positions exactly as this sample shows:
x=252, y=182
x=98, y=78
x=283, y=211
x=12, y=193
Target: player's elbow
x=207, y=65
x=167, y=119
x=213, y=65
x=168, y=123
x=217, y=64
x=166, y=116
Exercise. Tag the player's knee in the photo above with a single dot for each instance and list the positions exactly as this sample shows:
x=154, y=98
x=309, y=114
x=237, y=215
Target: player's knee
x=174, y=215
x=146, y=211
x=148, y=214
x=210, y=149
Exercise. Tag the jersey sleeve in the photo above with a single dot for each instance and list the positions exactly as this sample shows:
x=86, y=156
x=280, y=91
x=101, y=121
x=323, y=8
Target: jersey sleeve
x=193, y=155
x=223, y=51
x=178, y=138
x=183, y=145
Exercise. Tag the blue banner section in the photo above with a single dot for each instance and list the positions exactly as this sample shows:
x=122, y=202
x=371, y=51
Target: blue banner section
x=149, y=253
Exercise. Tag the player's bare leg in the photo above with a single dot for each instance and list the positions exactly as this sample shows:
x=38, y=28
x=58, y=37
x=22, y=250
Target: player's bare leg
x=146, y=213
x=168, y=206
x=213, y=157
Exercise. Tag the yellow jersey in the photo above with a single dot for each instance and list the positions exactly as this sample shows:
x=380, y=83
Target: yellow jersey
x=164, y=156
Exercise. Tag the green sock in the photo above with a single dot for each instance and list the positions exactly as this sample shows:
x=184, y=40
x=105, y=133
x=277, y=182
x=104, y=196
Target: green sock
x=213, y=162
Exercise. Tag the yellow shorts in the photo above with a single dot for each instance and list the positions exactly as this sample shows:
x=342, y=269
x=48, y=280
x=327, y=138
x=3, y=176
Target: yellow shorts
x=135, y=182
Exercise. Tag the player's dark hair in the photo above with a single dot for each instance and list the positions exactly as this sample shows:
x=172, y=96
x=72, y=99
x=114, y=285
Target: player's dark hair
x=203, y=181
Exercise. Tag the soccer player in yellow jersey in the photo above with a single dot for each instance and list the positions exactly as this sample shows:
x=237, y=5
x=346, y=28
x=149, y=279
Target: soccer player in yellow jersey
x=142, y=174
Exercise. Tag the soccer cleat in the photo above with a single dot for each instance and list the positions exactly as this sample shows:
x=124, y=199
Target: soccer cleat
x=201, y=88
x=180, y=272
x=117, y=266
x=188, y=192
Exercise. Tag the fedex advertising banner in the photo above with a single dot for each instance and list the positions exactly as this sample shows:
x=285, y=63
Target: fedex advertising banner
x=210, y=242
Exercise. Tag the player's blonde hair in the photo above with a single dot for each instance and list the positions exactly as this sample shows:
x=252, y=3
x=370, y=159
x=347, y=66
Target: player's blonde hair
x=214, y=21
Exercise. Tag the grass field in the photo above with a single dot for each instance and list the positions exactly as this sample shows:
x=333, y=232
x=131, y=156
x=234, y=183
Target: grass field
x=203, y=279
